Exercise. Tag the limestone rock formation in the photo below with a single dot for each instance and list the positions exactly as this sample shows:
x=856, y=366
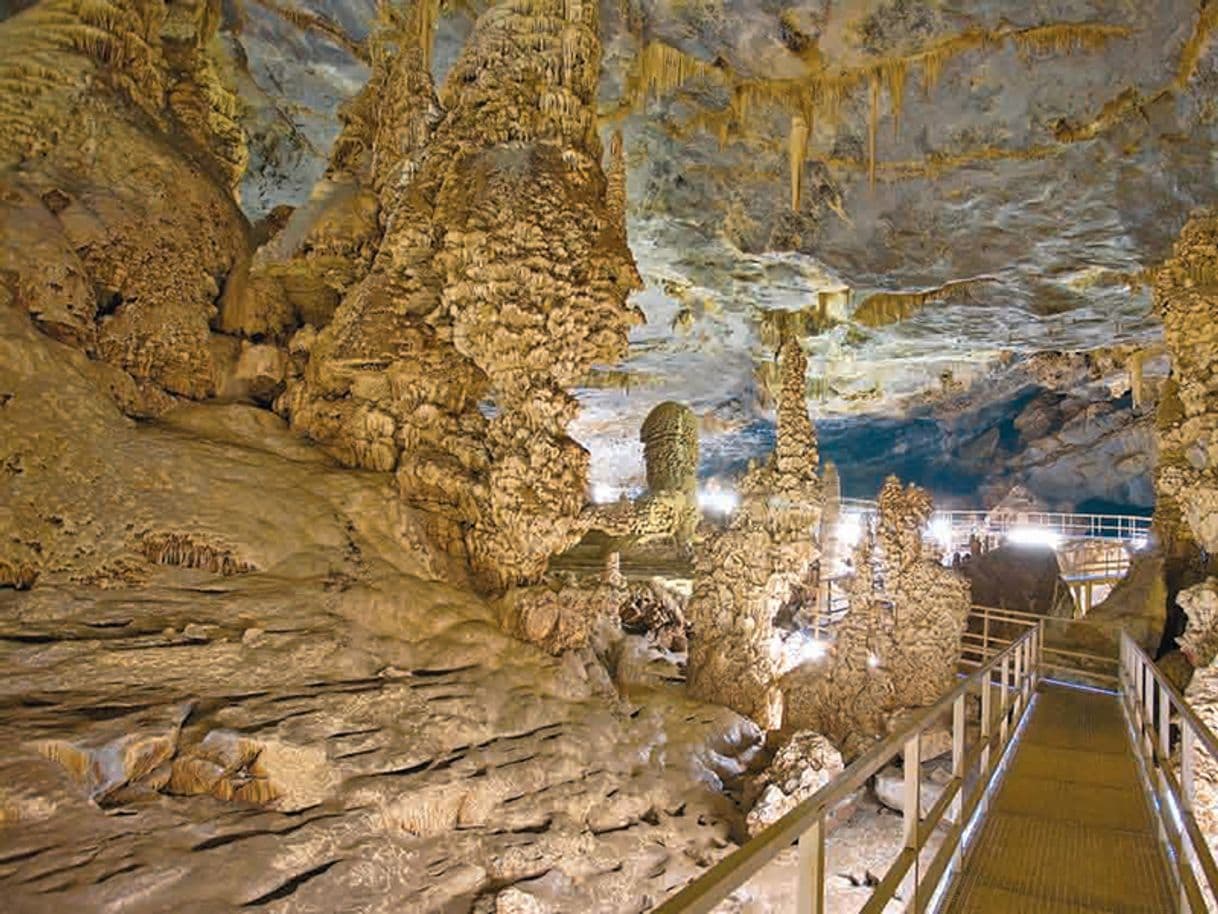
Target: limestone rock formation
x=568, y=616
x=1199, y=644
x=669, y=508
x=1186, y=297
x=899, y=643
x=496, y=276
x=119, y=151
x=746, y=572
x=805, y=764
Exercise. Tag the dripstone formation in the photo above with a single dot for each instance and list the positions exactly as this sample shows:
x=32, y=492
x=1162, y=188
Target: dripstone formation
x=747, y=571
x=669, y=508
x=1186, y=297
x=497, y=275
x=898, y=646
x=1186, y=516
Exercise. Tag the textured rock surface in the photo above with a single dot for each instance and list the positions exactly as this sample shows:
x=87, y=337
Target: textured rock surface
x=897, y=646
x=1186, y=296
x=236, y=658
x=669, y=508
x=115, y=120
x=805, y=764
x=475, y=265
x=747, y=571
x=229, y=649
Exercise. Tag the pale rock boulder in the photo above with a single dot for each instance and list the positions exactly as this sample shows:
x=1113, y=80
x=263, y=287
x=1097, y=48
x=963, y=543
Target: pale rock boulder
x=802, y=767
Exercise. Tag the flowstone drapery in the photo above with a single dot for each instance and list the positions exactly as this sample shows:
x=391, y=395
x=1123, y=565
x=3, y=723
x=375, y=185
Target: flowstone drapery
x=898, y=645
x=745, y=573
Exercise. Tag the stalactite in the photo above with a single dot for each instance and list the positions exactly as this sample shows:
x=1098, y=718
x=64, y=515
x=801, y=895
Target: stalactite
x=1198, y=42
x=894, y=80
x=884, y=308
x=1065, y=38
x=873, y=122
x=182, y=549
x=316, y=22
x=659, y=68
x=1136, y=390
x=798, y=149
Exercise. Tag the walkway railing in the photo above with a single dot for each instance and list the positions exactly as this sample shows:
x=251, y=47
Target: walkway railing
x=996, y=524
x=1003, y=704
x=991, y=629
x=1152, y=705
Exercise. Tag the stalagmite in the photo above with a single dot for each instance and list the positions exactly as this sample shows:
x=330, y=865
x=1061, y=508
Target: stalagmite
x=669, y=508
x=747, y=572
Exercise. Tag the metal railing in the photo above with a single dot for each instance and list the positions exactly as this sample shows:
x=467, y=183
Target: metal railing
x=1127, y=528
x=962, y=799
x=991, y=629
x=1152, y=705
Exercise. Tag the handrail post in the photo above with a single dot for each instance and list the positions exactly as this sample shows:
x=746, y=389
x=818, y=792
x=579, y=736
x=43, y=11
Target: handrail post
x=1187, y=798
x=811, y=892
x=1002, y=700
x=987, y=717
x=1148, y=711
x=913, y=808
x=1017, y=679
x=957, y=808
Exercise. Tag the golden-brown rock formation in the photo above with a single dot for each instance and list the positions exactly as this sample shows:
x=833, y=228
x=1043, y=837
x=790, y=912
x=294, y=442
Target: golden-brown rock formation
x=1186, y=297
x=746, y=572
x=899, y=643
x=669, y=508
x=118, y=152
x=499, y=279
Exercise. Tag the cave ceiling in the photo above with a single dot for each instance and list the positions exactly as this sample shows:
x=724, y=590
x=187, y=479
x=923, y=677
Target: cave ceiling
x=1001, y=174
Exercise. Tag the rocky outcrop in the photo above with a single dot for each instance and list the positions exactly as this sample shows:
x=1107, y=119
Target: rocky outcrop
x=805, y=764
x=118, y=153
x=746, y=572
x=1186, y=297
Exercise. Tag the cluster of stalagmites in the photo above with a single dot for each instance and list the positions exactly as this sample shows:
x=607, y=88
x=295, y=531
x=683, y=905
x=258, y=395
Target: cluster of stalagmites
x=898, y=645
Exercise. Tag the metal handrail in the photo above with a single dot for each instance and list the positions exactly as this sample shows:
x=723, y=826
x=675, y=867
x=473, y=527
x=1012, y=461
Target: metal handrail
x=962, y=799
x=1061, y=663
x=1081, y=526
x=1151, y=705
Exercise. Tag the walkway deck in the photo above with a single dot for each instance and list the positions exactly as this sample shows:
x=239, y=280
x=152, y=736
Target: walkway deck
x=1069, y=829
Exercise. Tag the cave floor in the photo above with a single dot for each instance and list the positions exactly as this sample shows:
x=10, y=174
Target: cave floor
x=1069, y=829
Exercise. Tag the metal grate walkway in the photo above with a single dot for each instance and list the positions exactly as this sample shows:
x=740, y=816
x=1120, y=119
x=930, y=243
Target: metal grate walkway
x=1069, y=829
